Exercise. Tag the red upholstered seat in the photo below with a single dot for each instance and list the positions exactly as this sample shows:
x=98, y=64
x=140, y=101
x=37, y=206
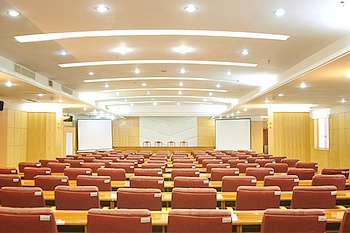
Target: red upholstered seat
x=139, y=198
x=22, y=165
x=285, y=182
x=31, y=172
x=10, y=180
x=44, y=162
x=278, y=167
x=292, y=221
x=94, y=166
x=257, y=197
x=193, y=198
x=345, y=224
x=8, y=170
x=191, y=182
x=278, y=159
x=58, y=167
x=103, y=183
x=337, y=180
x=186, y=172
x=260, y=172
x=73, y=172
x=219, y=165
x=49, y=183
x=231, y=183
x=313, y=165
x=218, y=173
x=302, y=173
x=22, y=197
x=334, y=171
x=314, y=197
x=184, y=165
x=243, y=166
x=147, y=182
x=149, y=172
x=291, y=162
x=114, y=173
x=128, y=167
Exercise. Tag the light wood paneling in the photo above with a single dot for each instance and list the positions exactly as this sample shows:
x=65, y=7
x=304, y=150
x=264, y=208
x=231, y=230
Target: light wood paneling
x=3, y=137
x=205, y=131
x=126, y=132
x=257, y=135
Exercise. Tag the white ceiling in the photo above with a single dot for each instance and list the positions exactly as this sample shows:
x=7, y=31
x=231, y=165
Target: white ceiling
x=316, y=52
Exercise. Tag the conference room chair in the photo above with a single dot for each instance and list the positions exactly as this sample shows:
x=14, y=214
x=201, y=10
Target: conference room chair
x=57, y=167
x=10, y=180
x=72, y=173
x=22, y=165
x=200, y=158
x=314, y=197
x=49, y=182
x=86, y=159
x=243, y=166
x=313, y=165
x=115, y=173
x=278, y=158
x=335, y=171
x=119, y=221
x=153, y=165
x=158, y=143
x=345, y=223
x=94, y=166
x=183, y=143
x=76, y=197
x=184, y=165
x=44, y=162
x=217, y=174
x=27, y=220
x=31, y=172
x=138, y=159
x=291, y=162
x=285, y=182
x=22, y=197
x=252, y=159
x=103, y=183
x=112, y=158
x=218, y=165
x=338, y=181
x=225, y=159
x=278, y=167
x=149, y=172
x=8, y=170
x=196, y=221
x=262, y=162
x=193, y=198
x=147, y=182
x=186, y=172
x=292, y=221
x=171, y=143
x=146, y=143
x=182, y=160
x=128, y=167
x=95, y=156
x=74, y=163
x=191, y=182
x=180, y=156
x=139, y=198
x=257, y=197
x=231, y=183
x=259, y=172
x=302, y=173
x=146, y=153
x=205, y=162
x=107, y=162
x=233, y=162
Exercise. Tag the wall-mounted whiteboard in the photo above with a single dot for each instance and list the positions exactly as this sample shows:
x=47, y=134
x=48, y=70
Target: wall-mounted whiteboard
x=94, y=135
x=232, y=134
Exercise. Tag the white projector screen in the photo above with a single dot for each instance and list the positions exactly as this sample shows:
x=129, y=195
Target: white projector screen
x=94, y=135
x=232, y=134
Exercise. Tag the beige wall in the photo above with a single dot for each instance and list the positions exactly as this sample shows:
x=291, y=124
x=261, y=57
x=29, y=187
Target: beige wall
x=257, y=140
x=126, y=132
x=205, y=131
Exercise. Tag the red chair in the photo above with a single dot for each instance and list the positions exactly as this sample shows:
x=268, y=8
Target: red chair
x=153, y=165
x=31, y=172
x=120, y=220
x=94, y=166
x=22, y=197
x=10, y=180
x=139, y=198
x=8, y=170
x=313, y=165
x=302, y=173
x=193, y=198
x=114, y=173
x=278, y=159
x=345, y=223
x=231, y=183
x=22, y=165
x=128, y=167
x=27, y=220
x=147, y=182
x=184, y=165
x=314, y=197
x=192, y=220
x=76, y=197
x=285, y=182
x=218, y=173
x=186, y=172
x=58, y=167
x=74, y=163
x=243, y=166
x=73, y=172
x=44, y=162
x=103, y=183
x=257, y=197
x=191, y=182
x=213, y=165
x=278, y=167
x=260, y=172
x=149, y=172
x=336, y=171
x=337, y=180
x=49, y=183
x=292, y=221
x=205, y=162
x=290, y=162
x=262, y=162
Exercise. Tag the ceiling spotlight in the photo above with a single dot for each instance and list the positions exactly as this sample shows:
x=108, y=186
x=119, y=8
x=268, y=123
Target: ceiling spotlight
x=60, y=100
x=106, y=85
x=91, y=73
x=279, y=12
x=181, y=84
x=266, y=101
x=125, y=100
x=117, y=93
x=9, y=84
x=280, y=94
x=154, y=103
x=177, y=103
x=232, y=114
x=238, y=112
x=190, y=8
x=182, y=70
x=245, y=109
x=144, y=84
x=102, y=8
x=40, y=94
x=13, y=13
x=137, y=71
x=210, y=93
x=180, y=92
x=183, y=49
x=228, y=73
x=302, y=85
x=85, y=109
x=343, y=101
x=245, y=52
x=218, y=85
x=123, y=50
x=63, y=53
x=148, y=93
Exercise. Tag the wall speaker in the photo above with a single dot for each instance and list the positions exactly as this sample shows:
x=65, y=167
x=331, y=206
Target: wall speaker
x=1, y=105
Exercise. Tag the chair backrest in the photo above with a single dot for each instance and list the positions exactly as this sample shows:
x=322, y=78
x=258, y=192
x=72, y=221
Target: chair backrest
x=49, y=183
x=114, y=173
x=8, y=170
x=128, y=167
x=22, y=197
x=10, y=180
x=27, y=220
x=44, y=162
x=233, y=162
x=335, y=171
x=139, y=198
x=260, y=172
x=22, y=165
x=219, y=165
x=147, y=143
x=147, y=182
x=292, y=221
x=243, y=166
x=193, y=198
x=153, y=165
x=302, y=173
x=192, y=220
x=73, y=172
x=314, y=197
x=103, y=183
x=262, y=162
x=191, y=182
x=285, y=182
x=31, y=172
x=171, y=143
x=205, y=162
x=149, y=172
x=337, y=180
x=58, y=167
x=313, y=165
x=345, y=223
x=76, y=197
x=257, y=197
x=74, y=163
x=94, y=166
x=182, y=160
x=231, y=183
x=183, y=143
x=158, y=143
x=120, y=220
x=278, y=158
x=216, y=174
x=184, y=172
x=291, y=162
x=184, y=165
x=278, y=167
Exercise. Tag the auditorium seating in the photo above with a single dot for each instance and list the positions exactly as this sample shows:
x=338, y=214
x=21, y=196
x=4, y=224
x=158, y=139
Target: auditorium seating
x=76, y=197
x=335, y=171
x=44, y=162
x=8, y=170
x=218, y=173
x=257, y=197
x=58, y=167
x=187, y=172
x=22, y=165
x=278, y=167
x=31, y=172
x=285, y=182
x=231, y=183
x=149, y=172
x=313, y=165
x=128, y=167
x=73, y=172
x=345, y=223
x=302, y=173
x=93, y=165
x=10, y=180
x=193, y=198
x=147, y=182
x=191, y=182
x=114, y=173
x=259, y=172
x=337, y=180
x=291, y=162
x=103, y=183
x=49, y=183
x=243, y=166
x=22, y=197
x=139, y=198
x=314, y=197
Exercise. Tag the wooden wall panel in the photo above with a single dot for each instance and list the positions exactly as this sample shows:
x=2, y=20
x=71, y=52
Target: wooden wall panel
x=205, y=131
x=126, y=132
x=257, y=135
x=3, y=137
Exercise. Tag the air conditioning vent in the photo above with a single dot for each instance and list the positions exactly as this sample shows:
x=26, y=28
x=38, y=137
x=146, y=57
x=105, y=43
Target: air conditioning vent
x=67, y=90
x=50, y=83
x=30, y=100
x=21, y=70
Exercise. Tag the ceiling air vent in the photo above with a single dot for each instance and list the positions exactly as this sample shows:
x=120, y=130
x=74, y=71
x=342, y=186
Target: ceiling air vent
x=24, y=71
x=30, y=100
x=67, y=90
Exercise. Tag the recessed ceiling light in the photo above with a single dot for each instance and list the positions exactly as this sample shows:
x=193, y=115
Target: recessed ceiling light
x=91, y=73
x=63, y=53
x=123, y=50
x=144, y=84
x=210, y=93
x=266, y=101
x=183, y=49
x=137, y=71
x=154, y=103
x=180, y=92
x=60, y=100
x=125, y=100
x=8, y=84
x=13, y=13
x=218, y=85
x=190, y=8
x=85, y=109
x=102, y=8
x=181, y=84
x=348, y=75
x=238, y=112
x=232, y=114
x=342, y=101
x=280, y=94
x=228, y=73
x=178, y=103
x=245, y=52
x=132, y=104
x=279, y=12
x=148, y=93
x=182, y=70
x=303, y=85
x=245, y=109
x=117, y=93
x=106, y=85
x=40, y=94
